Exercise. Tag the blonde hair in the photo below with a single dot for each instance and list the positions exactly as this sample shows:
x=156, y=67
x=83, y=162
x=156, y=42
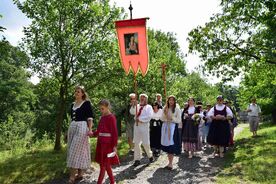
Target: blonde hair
x=85, y=95
x=105, y=103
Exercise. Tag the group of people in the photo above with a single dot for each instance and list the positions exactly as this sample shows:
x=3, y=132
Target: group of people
x=172, y=130
x=159, y=128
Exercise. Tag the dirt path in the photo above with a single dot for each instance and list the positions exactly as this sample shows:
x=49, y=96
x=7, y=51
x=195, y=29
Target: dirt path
x=201, y=169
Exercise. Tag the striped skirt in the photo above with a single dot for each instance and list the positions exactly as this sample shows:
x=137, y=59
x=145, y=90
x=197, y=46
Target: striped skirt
x=78, y=153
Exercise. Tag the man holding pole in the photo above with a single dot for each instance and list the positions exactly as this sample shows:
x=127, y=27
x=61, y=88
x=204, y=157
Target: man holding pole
x=143, y=113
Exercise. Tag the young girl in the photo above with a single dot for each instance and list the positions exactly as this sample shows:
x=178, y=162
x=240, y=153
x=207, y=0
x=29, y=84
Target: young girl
x=107, y=142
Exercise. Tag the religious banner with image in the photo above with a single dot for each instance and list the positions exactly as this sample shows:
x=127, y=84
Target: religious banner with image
x=133, y=45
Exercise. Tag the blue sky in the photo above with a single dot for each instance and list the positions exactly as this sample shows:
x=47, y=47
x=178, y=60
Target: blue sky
x=178, y=16
x=13, y=20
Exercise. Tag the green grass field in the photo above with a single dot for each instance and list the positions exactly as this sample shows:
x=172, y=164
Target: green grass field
x=39, y=164
x=253, y=160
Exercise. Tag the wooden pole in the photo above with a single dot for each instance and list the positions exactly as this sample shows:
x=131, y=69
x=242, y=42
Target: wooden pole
x=136, y=95
x=164, y=79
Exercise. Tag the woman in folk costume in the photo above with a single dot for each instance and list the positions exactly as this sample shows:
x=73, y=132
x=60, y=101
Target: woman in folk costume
x=106, y=151
x=219, y=132
x=78, y=156
x=155, y=129
x=143, y=115
x=191, y=118
x=169, y=136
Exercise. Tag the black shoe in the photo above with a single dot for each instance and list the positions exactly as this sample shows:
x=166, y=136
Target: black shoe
x=151, y=159
x=131, y=152
x=136, y=163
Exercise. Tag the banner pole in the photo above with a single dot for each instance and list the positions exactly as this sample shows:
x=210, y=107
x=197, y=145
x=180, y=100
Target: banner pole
x=136, y=95
x=130, y=9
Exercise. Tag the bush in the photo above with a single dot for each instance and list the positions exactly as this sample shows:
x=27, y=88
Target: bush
x=15, y=134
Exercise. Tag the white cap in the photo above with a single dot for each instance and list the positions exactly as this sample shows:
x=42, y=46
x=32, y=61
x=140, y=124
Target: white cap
x=132, y=95
x=158, y=94
x=143, y=95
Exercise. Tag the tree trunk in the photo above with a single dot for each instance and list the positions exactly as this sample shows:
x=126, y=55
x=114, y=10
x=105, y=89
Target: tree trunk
x=60, y=117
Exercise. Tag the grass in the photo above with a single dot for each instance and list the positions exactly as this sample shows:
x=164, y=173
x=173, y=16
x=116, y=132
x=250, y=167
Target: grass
x=40, y=163
x=253, y=159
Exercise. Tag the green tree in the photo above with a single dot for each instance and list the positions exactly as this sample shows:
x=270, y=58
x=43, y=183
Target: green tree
x=194, y=86
x=16, y=94
x=244, y=33
x=69, y=41
x=260, y=83
x=15, y=90
x=163, y=49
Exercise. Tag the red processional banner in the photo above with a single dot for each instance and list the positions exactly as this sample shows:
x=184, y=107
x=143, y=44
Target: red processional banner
x=132, y=37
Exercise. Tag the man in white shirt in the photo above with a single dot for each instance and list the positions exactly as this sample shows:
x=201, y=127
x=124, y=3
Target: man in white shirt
x=143, y=115
x=254, y=112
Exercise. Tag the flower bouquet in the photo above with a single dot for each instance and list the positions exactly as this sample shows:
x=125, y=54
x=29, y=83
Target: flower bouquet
x=196, y=117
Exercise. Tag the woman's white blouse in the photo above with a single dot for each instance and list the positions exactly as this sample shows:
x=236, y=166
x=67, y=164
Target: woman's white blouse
x=157, y=115
x=220, y=108
x=176, y=116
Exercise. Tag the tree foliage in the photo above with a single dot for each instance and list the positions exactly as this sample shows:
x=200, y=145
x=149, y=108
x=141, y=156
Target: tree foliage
x=194, y=86
x=17, y=97
x=260, y=83
x=69, y=41
x=244, y=33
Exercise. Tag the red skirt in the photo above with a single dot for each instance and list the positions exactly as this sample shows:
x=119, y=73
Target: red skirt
x=102, y=150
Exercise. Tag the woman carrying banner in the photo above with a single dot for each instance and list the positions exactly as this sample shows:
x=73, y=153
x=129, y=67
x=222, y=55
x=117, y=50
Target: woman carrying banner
x=78, y=156
x=171, y=117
